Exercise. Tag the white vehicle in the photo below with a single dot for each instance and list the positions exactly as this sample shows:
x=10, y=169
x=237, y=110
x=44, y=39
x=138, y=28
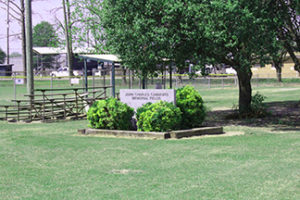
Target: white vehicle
x=61, y=72
x=98, y=73
x=230, y=71
x=78, y=73
x=64, y=72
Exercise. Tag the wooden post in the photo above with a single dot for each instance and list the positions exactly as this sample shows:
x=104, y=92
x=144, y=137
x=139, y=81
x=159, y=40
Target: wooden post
x=7, y=33
x=43, y=92
x=51, y=84
x=15, y=88
x=18, y=107
x=104, y=72
x=30, y=78
x=52, y=109
x=93, y=74
x=85, y=75
x=76, y=102
x=64, y=95
x=6, y=108
x=113, y=81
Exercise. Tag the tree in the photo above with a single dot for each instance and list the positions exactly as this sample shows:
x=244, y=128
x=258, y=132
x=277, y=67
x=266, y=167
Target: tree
x=17, y=12
x=237, y=36
x=286, y=14
x=88, y=30
x=148, y=35
x=44, y=35
x=2, y=56
x=278, y=60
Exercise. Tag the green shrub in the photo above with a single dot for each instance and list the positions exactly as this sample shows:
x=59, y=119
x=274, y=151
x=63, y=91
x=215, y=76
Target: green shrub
x=110, y=114
x=160, y=116
x=192, y=107
x=258, y=108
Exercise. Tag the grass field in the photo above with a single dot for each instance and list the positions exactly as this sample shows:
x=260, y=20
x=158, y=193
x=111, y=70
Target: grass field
x=51, y=161
x=216, y=96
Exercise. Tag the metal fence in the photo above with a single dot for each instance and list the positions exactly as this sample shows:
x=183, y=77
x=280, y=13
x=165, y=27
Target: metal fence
x=13, y=86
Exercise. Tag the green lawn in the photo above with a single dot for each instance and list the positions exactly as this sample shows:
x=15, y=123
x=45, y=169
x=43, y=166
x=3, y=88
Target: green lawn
x=51, y=161
x=215, y=97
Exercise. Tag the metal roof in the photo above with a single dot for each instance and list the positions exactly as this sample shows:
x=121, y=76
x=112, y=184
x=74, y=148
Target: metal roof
x=102, y=57
x=58, y=50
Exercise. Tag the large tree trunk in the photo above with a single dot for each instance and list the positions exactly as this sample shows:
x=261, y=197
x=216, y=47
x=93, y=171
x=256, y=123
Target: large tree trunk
x=245, y=90
x=124, y=76
x=278, y=72
x=290, y=50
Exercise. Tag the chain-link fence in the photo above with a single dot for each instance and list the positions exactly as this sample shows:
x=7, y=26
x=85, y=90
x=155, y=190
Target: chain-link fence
x=13, y=84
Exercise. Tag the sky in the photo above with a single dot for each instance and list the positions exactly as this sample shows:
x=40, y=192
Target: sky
x=42, y=11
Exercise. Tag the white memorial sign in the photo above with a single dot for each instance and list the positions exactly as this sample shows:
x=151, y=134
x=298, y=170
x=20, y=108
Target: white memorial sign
x=137, y=98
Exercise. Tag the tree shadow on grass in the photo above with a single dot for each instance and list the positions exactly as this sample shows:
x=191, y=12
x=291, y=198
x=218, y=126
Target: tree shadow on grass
x=284, y=116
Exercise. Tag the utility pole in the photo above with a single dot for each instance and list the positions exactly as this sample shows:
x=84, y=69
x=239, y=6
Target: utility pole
x=7, y=33
x=22, y=8
x=28, y=28
x=68, y=35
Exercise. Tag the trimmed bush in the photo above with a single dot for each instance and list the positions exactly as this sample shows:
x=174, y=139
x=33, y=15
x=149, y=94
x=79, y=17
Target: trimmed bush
x=160, y=116
x=258, y=108
x=191, y=105
x=110, y=114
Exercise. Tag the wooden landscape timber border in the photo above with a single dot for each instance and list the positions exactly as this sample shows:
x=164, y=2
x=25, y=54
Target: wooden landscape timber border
x=154, y=135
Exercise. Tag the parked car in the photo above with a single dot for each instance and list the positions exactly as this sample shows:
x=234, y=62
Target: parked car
x=64, y=72
x=78, y=73
x=99, y=73
x=230, y=70
x=60, y=72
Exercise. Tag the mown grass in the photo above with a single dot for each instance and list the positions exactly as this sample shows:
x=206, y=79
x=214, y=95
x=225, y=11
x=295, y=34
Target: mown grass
x=215, y=97
x=50, y=161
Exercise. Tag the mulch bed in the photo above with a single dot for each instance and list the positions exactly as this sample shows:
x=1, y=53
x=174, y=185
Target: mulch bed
x=283, y=116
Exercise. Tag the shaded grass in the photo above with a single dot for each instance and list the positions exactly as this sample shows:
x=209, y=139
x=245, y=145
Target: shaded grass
x=50, y=161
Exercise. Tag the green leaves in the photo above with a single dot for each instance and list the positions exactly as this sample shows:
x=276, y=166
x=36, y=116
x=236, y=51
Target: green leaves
x=2, y=56
x=192, y=107
x=160, y=116
x=110, y=114
x=44, y=35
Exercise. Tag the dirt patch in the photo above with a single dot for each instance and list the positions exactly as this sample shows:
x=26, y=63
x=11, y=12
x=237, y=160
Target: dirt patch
x=125, y=171
x=284, y=116
x=226, y=134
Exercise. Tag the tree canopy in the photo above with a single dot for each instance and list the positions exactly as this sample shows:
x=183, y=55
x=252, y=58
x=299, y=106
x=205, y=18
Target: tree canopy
x=44, y=35
x=2, y=56
x=152, y=33
x=236, y=35
x=286, y=14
